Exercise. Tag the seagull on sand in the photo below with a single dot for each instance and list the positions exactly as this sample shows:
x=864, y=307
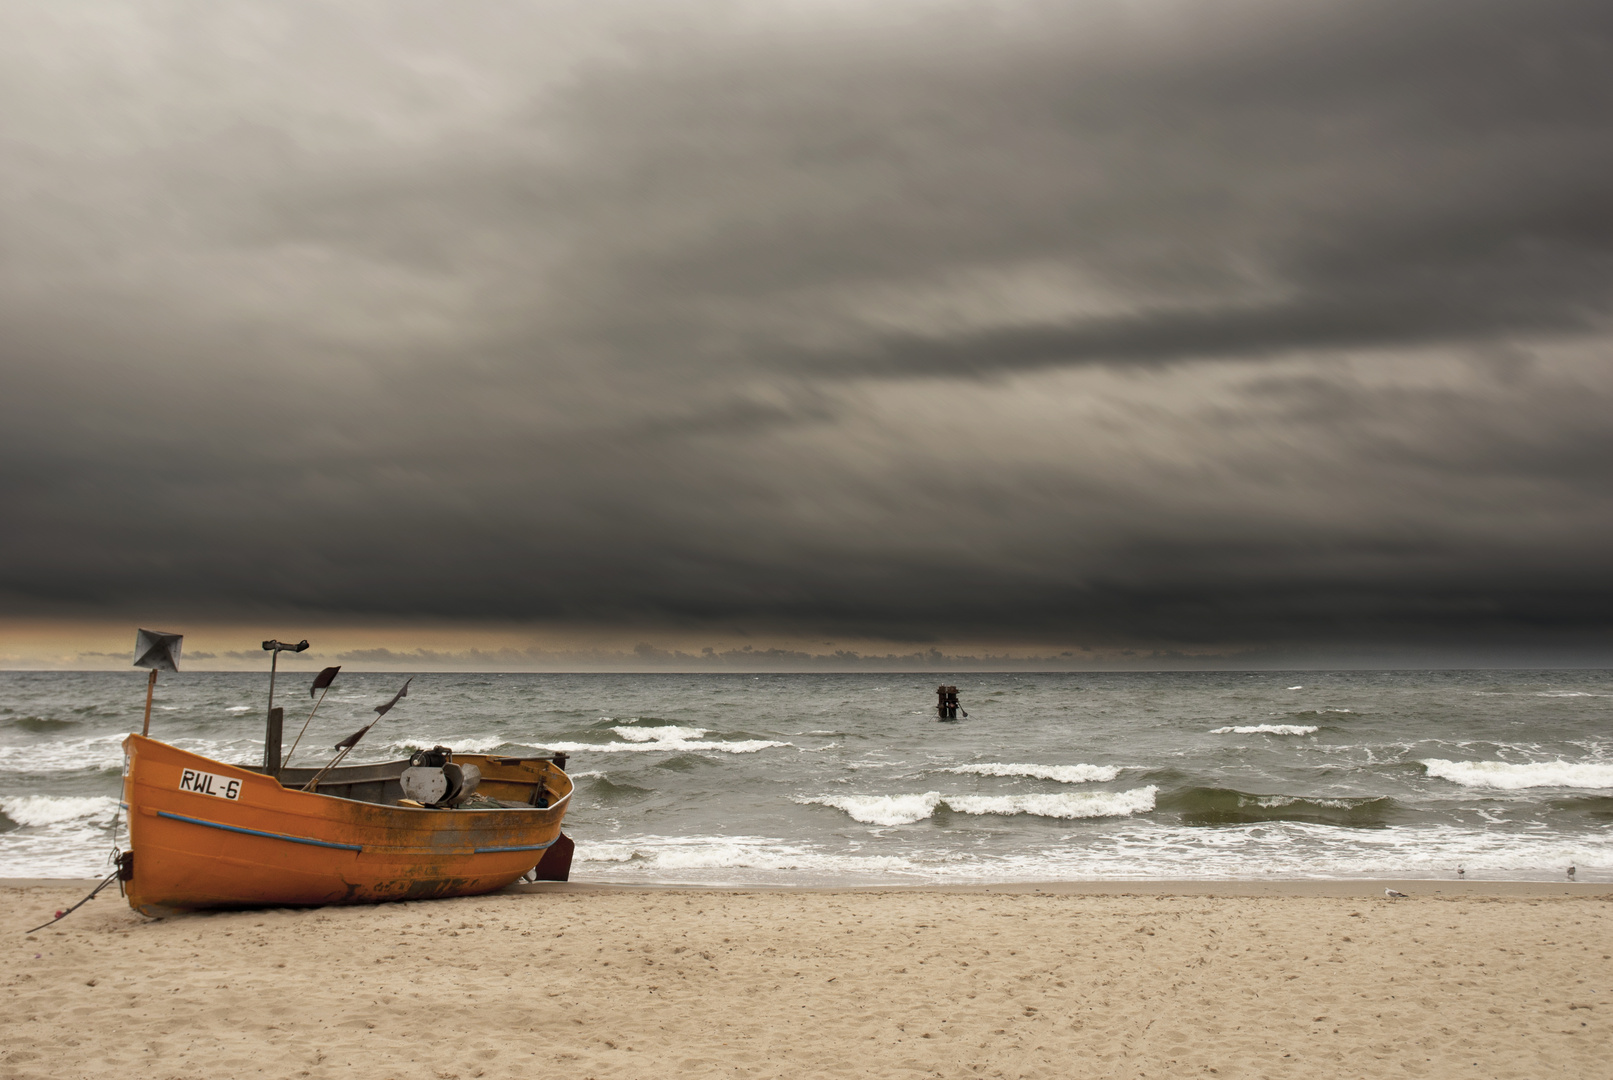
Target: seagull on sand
x=1461, y=871
x=1394, y=894
x=1570, y=873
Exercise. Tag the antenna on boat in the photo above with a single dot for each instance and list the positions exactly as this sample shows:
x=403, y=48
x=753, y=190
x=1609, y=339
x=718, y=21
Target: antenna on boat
x=322, y=681
x=345, y=747
x=160, y=652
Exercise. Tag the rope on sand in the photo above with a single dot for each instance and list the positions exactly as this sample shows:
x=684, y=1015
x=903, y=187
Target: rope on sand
x=60, y=915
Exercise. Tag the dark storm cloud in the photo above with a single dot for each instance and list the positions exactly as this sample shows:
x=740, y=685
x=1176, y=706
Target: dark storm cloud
x=1250, y=323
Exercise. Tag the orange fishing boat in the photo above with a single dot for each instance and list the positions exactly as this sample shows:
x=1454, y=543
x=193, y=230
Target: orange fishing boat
x=209, y=834
x=206, y=834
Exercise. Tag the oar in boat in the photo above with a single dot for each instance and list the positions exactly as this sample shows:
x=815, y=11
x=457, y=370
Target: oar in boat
x=160, y=652
x=344, y=747
x=322, y=682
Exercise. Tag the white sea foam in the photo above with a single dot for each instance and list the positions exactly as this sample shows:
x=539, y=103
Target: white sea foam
x=742, y=746
x=660, y=734
x=239, y=708
x=907, y=809
x=652, y=739
x=1132, y=849
x=597, y=853
x=708, y=858
x=62, y=836
x=99, y=752
x=882, y=809
x=1507, y=776
x=1266, y=729
x=1064, y=774
x=1277, y=802
x=1070, y=804
x=460, y=744
x=36, y=810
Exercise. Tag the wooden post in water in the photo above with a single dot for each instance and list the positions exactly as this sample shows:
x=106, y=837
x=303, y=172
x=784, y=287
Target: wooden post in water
x=946, y=705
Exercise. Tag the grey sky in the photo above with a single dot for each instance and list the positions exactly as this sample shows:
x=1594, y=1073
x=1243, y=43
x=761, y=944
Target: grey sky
x=1223, y=325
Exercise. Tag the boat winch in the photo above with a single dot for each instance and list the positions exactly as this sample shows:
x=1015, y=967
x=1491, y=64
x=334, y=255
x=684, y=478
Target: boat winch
x=433, y=778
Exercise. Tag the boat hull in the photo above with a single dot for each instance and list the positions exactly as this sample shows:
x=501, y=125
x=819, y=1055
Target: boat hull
x=206, y=834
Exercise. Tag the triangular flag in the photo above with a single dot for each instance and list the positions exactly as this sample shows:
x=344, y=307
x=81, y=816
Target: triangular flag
x=382, y=710
x=323, y=679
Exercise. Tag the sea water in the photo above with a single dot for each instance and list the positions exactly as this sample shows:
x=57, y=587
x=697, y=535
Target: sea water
x=823, y=779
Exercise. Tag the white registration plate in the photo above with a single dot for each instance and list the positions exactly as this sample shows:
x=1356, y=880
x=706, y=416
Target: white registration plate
x=206, y=783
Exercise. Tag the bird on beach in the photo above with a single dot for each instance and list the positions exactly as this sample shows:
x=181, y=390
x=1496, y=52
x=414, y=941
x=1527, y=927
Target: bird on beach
x=1461, y=871
x=1570, y=873
x=1394, y=894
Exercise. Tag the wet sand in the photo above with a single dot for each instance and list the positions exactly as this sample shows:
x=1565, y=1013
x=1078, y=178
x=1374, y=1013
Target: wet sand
x=1123, y=979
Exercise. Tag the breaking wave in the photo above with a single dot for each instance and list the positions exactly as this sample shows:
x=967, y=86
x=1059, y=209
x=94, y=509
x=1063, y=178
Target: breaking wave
x=1266, y=729
x=908, y=809
x=742, y=746
x=38, y=810
x=1225, y=806
x=99, y=752
x=665, y=739
x=882, y=809
x=1078, y=804
x=1505, y=776
x=1064, y=774
x=459, y=744
x=659, y=734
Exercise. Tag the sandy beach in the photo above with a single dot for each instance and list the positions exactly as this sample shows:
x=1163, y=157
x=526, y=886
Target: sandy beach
x=1176, y=979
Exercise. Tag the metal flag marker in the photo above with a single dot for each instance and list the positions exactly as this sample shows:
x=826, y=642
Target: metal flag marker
x=322, y=682
x=160, y=652
x=344, y=747
x=278, y=647
x=276, y=719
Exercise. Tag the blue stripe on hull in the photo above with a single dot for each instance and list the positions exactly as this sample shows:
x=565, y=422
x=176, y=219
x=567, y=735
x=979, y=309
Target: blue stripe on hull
x=523, y=847
x=255, y=832
x=327, y=843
